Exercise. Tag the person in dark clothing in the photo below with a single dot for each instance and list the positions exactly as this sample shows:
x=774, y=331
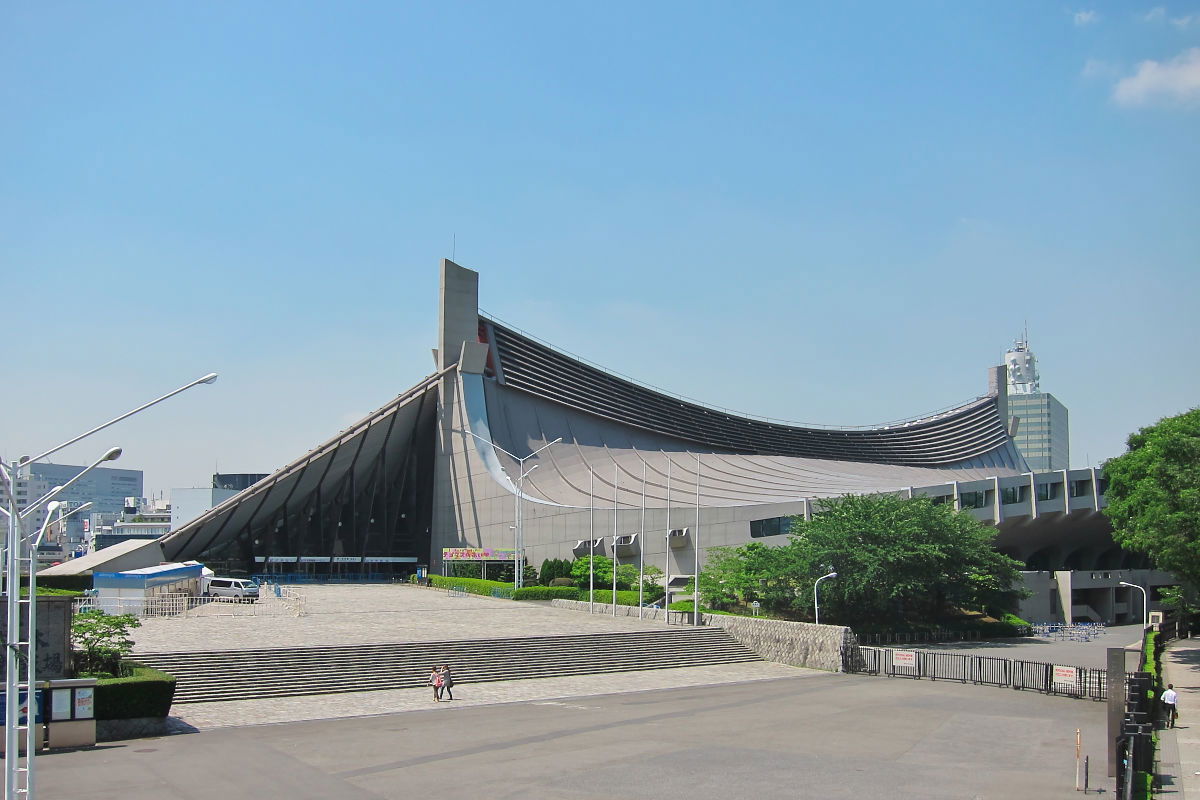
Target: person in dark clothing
x=447, y=681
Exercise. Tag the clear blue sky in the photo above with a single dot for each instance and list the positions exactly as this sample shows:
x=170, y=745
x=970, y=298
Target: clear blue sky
x=834, y=213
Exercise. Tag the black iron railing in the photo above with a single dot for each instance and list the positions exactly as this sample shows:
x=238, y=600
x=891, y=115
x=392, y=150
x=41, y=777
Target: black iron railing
x=1056, y=679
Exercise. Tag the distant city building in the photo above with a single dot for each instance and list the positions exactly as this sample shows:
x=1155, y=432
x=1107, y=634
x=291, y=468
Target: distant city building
x=237, y=481
x=1040, y=426
x=141, y=518
x=106, y=488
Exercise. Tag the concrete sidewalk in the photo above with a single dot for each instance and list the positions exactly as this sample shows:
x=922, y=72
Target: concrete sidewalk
x=1179, y=760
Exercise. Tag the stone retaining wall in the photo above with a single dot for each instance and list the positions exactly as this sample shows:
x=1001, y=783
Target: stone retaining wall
x=800, y=644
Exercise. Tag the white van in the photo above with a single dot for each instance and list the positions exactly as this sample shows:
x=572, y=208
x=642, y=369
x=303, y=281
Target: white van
x=237, y=588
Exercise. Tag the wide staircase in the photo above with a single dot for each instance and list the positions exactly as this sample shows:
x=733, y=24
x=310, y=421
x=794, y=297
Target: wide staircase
x=209, y=676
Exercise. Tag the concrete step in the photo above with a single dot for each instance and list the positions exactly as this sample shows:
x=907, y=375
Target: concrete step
x=285, y=672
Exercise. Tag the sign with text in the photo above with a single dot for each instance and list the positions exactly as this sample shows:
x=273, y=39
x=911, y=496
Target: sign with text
x=478, y=553
x=85, y=702
x=904, y=658
x=1066, y=675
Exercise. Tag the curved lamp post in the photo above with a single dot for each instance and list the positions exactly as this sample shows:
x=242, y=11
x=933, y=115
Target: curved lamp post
x=816, y=603
x=519, y=528
x=19, y=770
x=1145, y=601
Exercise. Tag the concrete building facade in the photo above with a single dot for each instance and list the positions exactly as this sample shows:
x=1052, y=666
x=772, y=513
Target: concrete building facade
x=626, y=471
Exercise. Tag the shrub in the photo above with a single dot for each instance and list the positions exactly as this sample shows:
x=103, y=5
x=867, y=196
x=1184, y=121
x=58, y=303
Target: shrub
x=471, y=585
x=624, y=598
x=546, y=593
x=145, y=693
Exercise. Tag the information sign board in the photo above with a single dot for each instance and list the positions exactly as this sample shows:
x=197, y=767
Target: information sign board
x=478, y=553
x=1069, y=675
x=904, y=658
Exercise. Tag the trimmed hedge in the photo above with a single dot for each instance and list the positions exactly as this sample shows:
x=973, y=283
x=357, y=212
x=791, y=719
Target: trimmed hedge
x=546, y=593
x=145, y=693
x=625, y=597
x=470, y=585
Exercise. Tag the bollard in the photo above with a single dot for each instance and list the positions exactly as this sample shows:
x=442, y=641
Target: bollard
x=1079, y=744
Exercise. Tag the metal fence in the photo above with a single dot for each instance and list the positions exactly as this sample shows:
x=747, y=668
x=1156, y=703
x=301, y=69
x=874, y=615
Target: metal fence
x=277, y=602
x=1038, y=676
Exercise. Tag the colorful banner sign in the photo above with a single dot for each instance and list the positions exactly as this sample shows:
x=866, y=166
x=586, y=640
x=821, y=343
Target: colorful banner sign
x=478, y=553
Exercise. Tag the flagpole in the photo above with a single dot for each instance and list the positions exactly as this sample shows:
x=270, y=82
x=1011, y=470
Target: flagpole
x=667, y=549
x=696, y=548
x=591, y=545
x=614, y=558
x=642, y=549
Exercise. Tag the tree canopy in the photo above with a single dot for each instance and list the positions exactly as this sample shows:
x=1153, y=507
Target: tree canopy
x=897, y=560
x=1154, y=494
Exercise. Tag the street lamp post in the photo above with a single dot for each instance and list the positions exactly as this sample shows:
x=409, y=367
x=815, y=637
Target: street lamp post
x=816, y=603
x=18, y=771
x=1145, y=601
x=522, y=473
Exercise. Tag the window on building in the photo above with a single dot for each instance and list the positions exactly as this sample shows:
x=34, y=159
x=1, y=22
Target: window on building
x=1081, y=488
x=776, y=526
x=1014, y=494
x=1047, y=491
x=973, y=499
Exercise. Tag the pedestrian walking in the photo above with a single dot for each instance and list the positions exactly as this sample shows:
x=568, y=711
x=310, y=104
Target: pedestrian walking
x=447, y=680
x=435, y=680
x=1170, y=702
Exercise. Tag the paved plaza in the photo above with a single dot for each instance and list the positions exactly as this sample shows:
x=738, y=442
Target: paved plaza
x=757, y=730
x=371, y=613
x=823, y=735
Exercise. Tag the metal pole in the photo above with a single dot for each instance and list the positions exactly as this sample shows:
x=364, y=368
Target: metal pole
x=614, y=558
x=209, y=378
x=816, y=604
x=696, y=549
x=517, y=525
x=1079, y=749
x=591, y=544
x=12, y=702
x=667, y=551
x=642, y=549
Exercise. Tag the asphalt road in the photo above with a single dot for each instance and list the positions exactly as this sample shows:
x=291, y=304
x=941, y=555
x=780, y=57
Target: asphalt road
x=833, y=736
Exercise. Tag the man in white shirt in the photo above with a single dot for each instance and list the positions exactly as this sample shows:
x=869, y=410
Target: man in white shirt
x=1169, y=699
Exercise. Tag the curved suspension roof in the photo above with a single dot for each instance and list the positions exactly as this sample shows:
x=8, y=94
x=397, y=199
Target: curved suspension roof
x=972, y=434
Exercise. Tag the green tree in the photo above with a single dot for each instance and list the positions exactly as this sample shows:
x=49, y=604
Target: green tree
x=1154, y=494
x=898, y=560
x=580, y=571
x=652, y=580
x=101, y=640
